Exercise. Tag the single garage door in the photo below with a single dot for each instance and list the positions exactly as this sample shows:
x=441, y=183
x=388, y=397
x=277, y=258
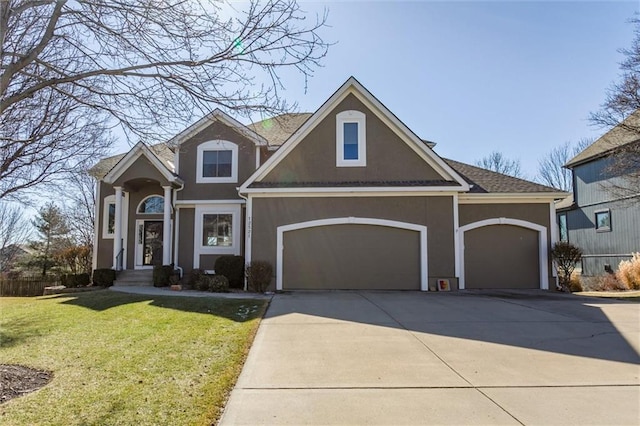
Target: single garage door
x=501, y=256
x=351, y=257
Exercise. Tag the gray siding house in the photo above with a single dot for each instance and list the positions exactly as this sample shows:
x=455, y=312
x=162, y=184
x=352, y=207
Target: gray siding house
x=600, y=220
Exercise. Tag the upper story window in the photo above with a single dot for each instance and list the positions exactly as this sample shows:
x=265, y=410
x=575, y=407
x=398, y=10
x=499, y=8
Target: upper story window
x=217, y=162
x=351, y=139
x=153, y=204
x=603, y=221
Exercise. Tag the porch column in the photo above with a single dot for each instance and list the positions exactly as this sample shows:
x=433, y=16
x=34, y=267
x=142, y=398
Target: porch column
x=117, y=230
x=166, y=227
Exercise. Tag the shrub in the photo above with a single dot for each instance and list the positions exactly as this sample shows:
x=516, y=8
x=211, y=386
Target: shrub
x=162, y=275
x=75, y=280
x=194, y=279
x=629, y=272
x=104, y=277
x=217, y=283
x=259, y=273
x=231, y=267
x=566, y=255
x=606, y=282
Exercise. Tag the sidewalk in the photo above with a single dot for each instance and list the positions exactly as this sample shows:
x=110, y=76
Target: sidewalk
x=166, y=291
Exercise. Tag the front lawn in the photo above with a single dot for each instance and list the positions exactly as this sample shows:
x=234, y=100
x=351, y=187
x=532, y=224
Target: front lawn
x=127, y=359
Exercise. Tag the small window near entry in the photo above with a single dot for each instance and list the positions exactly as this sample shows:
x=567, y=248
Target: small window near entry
x=351, y=139
x=111, y=221
x=152, y=205
x=562, y=227
x=109, y=217
x=603, y=221
x=217, y=230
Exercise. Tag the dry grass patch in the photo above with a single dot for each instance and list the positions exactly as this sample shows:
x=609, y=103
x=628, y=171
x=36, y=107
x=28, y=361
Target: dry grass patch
x=126, y=359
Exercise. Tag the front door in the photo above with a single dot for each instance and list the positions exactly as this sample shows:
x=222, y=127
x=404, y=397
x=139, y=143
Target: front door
x=149, y=243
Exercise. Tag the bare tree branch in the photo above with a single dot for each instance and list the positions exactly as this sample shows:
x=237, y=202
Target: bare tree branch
x=550, y=167
x=497, y=162
x=76, y=68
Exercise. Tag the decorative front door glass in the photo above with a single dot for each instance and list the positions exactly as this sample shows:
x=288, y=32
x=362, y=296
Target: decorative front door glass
x=152, y=249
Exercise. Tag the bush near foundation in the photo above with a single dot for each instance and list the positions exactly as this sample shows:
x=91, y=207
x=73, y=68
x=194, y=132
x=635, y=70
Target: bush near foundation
x=566, y=255
x=231, y=267
x=629, y=272
x=606, y=282
x=75, y=280
x=162, y=275
x=259, y=274
x=104, y=277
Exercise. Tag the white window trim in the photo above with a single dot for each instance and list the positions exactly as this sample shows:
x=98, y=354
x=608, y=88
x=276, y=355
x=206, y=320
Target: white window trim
x=200, y=249
x=217, y=145
x=110, y=199
x=145, y=199
x=359, y=118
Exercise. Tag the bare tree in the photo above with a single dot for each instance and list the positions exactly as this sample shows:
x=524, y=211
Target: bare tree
x=71, y=70
x=550, y=167
x=79, y=198
x=621, y=109
x=497, y=162
x=15, y=229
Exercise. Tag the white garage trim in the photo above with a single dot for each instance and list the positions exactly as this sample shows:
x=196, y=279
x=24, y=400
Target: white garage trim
x=355, y=221
x=542, y=245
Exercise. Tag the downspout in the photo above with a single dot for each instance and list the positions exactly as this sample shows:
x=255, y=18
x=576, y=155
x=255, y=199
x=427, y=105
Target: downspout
x=176, y=228
x=246, y=223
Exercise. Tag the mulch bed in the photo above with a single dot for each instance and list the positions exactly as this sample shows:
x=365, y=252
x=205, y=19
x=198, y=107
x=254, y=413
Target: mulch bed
x=18, y=380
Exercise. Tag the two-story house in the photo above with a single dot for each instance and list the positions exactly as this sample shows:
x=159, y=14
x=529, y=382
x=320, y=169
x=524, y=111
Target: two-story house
x=347, y=197
x=600, y=219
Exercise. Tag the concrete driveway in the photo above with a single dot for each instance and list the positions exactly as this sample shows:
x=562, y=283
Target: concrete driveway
x=393, y=358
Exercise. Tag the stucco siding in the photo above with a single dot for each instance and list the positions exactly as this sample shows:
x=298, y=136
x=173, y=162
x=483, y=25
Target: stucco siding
x=104, y=246
x=388, y=157
x=187, y=164
x=434, y=212
x=185, y=239
x=141, y=169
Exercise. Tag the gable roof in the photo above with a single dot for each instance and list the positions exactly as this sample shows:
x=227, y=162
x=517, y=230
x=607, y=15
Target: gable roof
x=277, y=130
x=141, y=149
x=217, y=115
x=161, y=150
x=483, y=181
x=623, y=134
x=352, y=86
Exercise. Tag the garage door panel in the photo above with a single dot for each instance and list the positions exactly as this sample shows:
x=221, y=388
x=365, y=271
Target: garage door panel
x=501, y=256
x=351, y=256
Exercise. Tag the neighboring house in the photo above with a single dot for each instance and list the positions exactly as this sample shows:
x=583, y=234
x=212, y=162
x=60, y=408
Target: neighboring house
x=345, y=198
x=596, y=218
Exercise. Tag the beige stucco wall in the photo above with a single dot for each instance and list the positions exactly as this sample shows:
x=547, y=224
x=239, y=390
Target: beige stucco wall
x=434, y=212
x=187, y=164
x=388, y=157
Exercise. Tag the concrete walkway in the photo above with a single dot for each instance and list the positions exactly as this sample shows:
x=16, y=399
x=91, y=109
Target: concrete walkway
x=166, y=291
x=399, y=358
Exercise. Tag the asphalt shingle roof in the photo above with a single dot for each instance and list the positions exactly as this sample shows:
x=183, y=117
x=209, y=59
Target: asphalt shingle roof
x=277, y=130
x=623, y=134
x=487, y=181
x=161, y=150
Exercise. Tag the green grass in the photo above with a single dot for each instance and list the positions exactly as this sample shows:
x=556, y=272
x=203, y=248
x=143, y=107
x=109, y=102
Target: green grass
x=126, y=359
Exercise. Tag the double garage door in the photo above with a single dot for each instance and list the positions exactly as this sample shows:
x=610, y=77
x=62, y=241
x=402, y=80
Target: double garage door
x=351, y=256
x=360, y=256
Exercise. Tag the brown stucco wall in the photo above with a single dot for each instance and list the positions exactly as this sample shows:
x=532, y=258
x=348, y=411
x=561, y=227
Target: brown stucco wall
x=501, y=256
x=188, y=162
x=349, y=257
x=434, y=212
x=532, y=212
x=141, y=169
x=388, y=157
x=103, y=246
x=185, y=239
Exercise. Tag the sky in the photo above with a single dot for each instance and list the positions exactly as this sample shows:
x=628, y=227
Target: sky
x=475, y=77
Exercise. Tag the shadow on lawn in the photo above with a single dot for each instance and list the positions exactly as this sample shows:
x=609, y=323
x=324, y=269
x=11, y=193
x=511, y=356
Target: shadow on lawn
x=239, y=310
x=537, y=320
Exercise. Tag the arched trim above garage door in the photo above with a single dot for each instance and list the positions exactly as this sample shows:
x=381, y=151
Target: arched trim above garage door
x=542, y=244
x=355, y=221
